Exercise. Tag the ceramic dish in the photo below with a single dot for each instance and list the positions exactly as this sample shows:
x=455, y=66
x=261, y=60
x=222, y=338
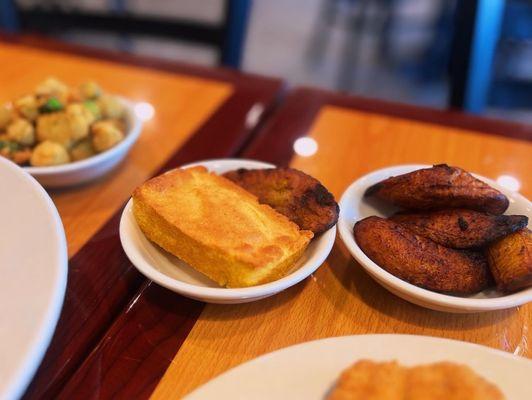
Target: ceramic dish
x=174, y=274
x=33, y=267
x=354, y=207
x=78, y=172
x=309, y=370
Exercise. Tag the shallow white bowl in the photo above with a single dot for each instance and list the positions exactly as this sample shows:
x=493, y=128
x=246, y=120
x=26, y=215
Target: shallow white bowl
x=33, y=271
x=353, y=207
x=174, y=274
x=310, y=370
x=78, y=172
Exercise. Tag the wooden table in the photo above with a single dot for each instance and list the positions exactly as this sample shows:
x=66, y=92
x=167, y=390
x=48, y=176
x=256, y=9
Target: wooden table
x=164, y=345
x=199, y=113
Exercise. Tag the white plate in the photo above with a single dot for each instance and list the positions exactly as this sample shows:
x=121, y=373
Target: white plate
x=33, y=271
x=309, y=370
x=78, y=172
x=353, y=207
x=174, y=274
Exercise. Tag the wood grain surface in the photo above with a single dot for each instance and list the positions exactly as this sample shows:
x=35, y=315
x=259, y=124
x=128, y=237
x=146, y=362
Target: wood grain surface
x=129, y=365
x=199, y=114
x=181, y=104
x=142, y=342
x=340, y=298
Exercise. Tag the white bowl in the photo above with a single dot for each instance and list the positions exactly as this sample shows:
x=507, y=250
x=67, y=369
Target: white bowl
x=353, y=207
x=176, y=275
x=78, y=172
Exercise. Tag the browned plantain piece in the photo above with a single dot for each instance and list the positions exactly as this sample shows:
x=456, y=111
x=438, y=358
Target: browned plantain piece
x=420, y=261
x=437, y=188
x=300, y=197
x=510, y=261
x=459, y=228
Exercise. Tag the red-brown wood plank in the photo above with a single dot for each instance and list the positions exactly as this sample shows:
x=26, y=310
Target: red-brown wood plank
x=130, y=350
x=101, y=280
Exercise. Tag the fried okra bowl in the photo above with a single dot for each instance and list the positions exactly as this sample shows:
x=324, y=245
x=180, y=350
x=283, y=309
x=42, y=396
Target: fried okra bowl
x=67, y=135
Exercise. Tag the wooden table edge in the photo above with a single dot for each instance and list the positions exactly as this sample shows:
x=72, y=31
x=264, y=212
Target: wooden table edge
x=306, y=102
x=268, y=147
x=448, y=117
x=225, y=74
x=228, y=124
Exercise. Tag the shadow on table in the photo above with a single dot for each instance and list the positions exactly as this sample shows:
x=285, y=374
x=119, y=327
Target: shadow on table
x=359, y=284
x=227, y=312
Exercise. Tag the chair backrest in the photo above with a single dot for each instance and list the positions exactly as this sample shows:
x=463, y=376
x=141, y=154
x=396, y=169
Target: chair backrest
x=227, y=37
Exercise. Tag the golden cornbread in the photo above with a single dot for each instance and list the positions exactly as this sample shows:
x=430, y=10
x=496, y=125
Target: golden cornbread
x=217, y=227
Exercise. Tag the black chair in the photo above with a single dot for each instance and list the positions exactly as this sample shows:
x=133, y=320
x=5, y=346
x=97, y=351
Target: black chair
x=49, y=18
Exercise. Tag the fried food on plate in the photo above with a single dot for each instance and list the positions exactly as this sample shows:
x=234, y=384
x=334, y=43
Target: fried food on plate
x=439, y=187
x=217, y=227
x=460, y=228
x=302, y=198
x=369, y=380
x=419, y=260
x=510, y=261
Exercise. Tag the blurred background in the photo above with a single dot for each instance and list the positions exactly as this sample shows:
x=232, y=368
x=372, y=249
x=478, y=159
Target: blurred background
x=474, y=55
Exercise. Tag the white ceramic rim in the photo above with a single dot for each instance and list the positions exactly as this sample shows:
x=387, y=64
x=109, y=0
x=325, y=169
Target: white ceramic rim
x=44, y=336
x=224, y=293
x=130, y=138
x=461, y=303
x=388, y=340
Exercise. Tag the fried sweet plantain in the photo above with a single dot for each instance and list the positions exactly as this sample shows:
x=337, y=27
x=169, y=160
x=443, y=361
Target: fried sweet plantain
x=437, y=188
x=298, y=196
x=460, y=228
x=510, y=261
x=420, y=261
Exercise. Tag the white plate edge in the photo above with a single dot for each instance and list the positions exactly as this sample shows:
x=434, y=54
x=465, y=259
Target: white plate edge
x=29, y=366
x=206, y=387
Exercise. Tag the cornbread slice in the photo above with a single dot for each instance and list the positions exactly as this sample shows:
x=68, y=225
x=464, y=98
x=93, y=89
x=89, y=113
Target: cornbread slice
x=217, y=227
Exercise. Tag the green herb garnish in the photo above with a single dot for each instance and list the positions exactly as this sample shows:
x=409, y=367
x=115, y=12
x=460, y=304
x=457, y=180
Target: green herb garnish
x=51, y=105
x=93, y=107
x=12, y=146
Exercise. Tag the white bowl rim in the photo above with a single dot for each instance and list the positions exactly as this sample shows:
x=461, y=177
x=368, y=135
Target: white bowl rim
x=131, y=137
x=444, y=300
x=219, y=293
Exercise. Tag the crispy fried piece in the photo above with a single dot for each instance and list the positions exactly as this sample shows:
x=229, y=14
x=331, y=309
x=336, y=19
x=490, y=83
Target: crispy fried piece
x=420, y=261
x=300, y=197
x=14, y=152
x=22, y=156
x=437, y=188
x=446, y=381
x=460, y=228
x=510, y=261
x=369, y=380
